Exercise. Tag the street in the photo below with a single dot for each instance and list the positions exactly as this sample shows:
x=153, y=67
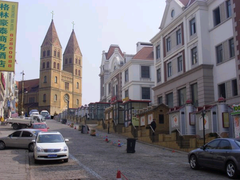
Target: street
x=91, y=157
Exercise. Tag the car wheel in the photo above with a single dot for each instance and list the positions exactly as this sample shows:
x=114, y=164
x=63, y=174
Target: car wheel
x=65, y=160
x=2, y=145
x=31, y=147
x=193, y=162
x=231, y=170
x=15, y=126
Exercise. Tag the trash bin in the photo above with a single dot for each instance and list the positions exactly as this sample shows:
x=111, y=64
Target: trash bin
x=131, y=145
x=64, y=121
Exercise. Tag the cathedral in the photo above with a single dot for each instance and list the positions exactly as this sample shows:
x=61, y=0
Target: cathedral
x=60, y=83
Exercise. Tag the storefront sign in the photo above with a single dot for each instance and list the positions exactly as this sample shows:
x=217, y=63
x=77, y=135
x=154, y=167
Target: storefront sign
x=135, y=121
x=206, y=122
x=125, y=99
x=236, y=110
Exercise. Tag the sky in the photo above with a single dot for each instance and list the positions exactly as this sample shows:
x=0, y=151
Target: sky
x=98, y=24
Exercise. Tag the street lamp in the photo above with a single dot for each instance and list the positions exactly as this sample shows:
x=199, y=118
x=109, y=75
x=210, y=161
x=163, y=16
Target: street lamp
x=203, y=115
x=22, y=109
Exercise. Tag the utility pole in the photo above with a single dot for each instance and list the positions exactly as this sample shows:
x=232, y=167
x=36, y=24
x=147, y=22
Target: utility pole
x=22, y=109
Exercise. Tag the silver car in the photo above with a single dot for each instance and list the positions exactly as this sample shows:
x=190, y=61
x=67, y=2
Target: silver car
x=21, y=138
x=50, y=146
x=222, y=154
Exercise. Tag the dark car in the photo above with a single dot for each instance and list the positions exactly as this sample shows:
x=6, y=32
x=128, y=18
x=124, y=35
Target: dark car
x=19, y=139
x=222, y=154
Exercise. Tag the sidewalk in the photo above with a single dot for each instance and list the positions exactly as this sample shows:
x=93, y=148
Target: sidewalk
x=14, y=162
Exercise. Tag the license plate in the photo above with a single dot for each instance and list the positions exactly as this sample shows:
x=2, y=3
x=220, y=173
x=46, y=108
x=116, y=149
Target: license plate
x=52, y=155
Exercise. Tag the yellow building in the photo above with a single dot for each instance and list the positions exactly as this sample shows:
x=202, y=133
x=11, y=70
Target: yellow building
x=60, y=79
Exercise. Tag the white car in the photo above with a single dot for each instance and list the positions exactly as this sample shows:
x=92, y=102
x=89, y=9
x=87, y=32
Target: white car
x=50, y=146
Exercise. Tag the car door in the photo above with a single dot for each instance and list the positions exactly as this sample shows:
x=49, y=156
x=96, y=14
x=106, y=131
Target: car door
x=12, y=139
x=25, y=139
x=220, y=154
x=205, y=157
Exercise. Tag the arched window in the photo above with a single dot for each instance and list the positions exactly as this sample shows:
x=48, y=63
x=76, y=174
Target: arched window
x=75, y=61
x=45, y=79
x=57, y=65
x=59, y=54
x=55, y=53
x=43, y=65
x=66, y=61
x=77, y=102
x=77, y=85
x=55, y=97
x=48, y=53
x=55, y=79
x=47, y=64
x=75, y=71
x=44, y=98
x=44, y=53
x=70, y=60
x=79, y=72
x=54, y=65
x=79, y=61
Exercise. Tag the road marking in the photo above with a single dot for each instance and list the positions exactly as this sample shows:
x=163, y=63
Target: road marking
x=85, y=167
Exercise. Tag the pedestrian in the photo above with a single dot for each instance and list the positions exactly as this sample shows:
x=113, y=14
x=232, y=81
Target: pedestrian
x=153, y=125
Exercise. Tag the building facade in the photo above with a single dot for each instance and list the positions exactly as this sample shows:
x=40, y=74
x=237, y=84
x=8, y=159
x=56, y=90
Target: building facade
x=60, y=83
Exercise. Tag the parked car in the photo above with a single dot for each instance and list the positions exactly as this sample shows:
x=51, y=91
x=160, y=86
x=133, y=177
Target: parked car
x=45, y=114
x=222, y=154
x=37, y=117
x=50, y=146
x=19, y=139
x=40, y=126
x=33, y=110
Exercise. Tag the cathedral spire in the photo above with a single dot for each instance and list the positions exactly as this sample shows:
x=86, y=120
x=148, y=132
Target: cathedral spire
x=72, y=46
x=51, y=37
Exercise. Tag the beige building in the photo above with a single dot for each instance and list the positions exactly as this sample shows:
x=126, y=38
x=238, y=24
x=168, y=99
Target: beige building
x=60, y=79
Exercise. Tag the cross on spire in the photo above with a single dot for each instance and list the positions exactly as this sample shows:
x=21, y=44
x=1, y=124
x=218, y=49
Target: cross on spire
x=73, y=24
x=52, y=14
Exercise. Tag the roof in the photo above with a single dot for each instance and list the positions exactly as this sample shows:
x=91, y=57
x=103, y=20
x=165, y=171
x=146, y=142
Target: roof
x=51, y=37
x=29, y=85
x=72, y=45
x=111, y=51
x=187, y=2
x=146, y=53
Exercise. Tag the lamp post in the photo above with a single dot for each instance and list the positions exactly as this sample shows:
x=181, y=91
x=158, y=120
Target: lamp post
x=203, y=115
x=22, y=92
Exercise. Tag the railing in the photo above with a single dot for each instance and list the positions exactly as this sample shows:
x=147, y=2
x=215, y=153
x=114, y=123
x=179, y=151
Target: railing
x=179, y=132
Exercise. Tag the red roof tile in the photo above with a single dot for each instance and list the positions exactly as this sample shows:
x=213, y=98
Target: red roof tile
x=146, y=53
x=111, y=51
x=29, y=85
x=186, y=2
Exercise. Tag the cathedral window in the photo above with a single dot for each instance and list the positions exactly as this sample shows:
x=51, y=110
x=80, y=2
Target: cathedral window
x=75, y=61
x=47, y=64
x=70, y=60
x=55, y=97
x=66, y=85
x=55, y=79
x=57, y=65
x=45, y=79
x=77, y=102
x=66, y=61
x=48, y=53
x=79, y=62
x=55, y=53
x=75, y=71
x=43, y=65
x=59, y=54
x=79, y=72
x=77, y=85
x=44, y=98
x=44, y=53
x=54, y=65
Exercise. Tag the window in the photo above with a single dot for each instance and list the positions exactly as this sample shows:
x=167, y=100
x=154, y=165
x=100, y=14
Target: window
x=179, y=36
x=16, y=134
x=79, y=72
x=224, y=144
x=158, y=52
x=192, y=27
x=48, y=53
x=212, y=144
x=216, y=16
x=126, y=76
x=44, y=98
x=126, y=94
x=26, y=134
x=57, y=65
x=44, y=53
x=231, y=48
x=70, y=60
x=77, y=85
x=54, y=65
x=109, y=88
x=194, y=94
x=160, y=100
x=168, y=44
x=47, y=64
x=159, y=75
x=55, y=53
x=229, y=8
x=180, y=63
x=182, y=96
x=31, y=99
x=58, y=54
x=145, y=72
x=222, y=90
x=169, y=69
x=79, y=61
x=169, y=100
x=234, y=88
x=75, y=61
x=66, y=61
x=219, y=53
x=75, y=71
x=161, y=119
x=45, y=79
x=43, y=65
x=172, y=13
x=66, y=85
x=77, y=102
x=55, y=97
x=55, y=79
x=194, y=55
x=145, y=93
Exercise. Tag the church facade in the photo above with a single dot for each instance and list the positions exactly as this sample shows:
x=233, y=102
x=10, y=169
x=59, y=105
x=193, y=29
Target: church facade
x=60, y=83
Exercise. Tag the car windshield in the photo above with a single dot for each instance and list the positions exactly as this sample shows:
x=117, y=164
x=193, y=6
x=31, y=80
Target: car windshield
x=238, y=142
x=44, y=113
x=39, y=126
x=50, y=138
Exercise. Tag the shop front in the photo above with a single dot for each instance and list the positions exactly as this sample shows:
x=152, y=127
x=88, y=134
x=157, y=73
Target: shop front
x=236, y=120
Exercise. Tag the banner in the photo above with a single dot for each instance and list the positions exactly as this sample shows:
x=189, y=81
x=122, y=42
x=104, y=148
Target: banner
x=8, y=29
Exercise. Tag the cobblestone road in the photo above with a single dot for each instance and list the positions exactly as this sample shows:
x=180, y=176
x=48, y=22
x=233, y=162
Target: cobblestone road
x=93, y=158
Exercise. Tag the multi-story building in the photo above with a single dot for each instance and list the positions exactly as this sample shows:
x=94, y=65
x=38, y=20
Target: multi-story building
x=196, y=53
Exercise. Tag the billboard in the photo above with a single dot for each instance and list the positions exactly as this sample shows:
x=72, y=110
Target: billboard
x=8, y=29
